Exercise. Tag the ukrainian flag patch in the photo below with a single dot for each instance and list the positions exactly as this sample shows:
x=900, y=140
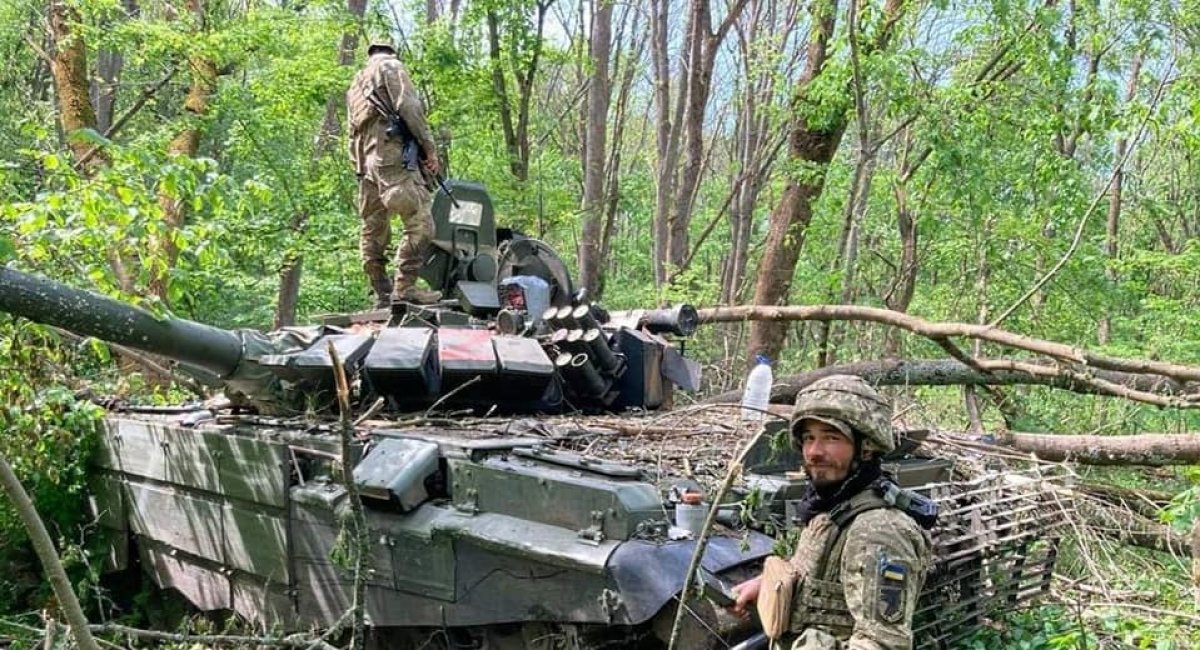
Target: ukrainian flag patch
x=889, y=601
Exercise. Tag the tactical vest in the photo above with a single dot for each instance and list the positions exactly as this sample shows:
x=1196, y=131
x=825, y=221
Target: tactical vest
x=820, y=599
x=359, y=110
x=365, y=122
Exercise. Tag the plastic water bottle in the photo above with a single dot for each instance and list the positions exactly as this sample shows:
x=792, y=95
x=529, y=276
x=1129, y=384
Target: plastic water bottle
x=757, y=393
x=690, y=513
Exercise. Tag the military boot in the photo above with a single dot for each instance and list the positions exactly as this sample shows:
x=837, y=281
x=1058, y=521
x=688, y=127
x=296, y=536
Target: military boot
x=408, y=292
x=381, y=285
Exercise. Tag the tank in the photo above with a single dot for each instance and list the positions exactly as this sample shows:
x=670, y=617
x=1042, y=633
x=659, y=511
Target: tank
x=490, y=524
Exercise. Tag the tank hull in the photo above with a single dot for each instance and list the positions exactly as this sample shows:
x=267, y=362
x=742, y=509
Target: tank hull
x=243, y=517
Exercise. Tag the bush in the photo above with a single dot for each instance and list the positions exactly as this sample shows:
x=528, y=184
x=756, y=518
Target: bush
x=48, y=437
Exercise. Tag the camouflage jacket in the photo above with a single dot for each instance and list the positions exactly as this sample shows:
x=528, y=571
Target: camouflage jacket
x=862, y=592
x=370, y=146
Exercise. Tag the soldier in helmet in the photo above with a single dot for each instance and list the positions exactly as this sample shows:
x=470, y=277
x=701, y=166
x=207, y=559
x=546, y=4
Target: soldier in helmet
x=387, y=186
x=861, y=558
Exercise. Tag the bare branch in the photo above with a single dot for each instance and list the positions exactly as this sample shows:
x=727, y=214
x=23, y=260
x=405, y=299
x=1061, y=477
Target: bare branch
x=999, y=372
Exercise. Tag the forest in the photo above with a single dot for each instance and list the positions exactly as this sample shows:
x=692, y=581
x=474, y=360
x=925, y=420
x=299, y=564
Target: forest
x=1003, y=196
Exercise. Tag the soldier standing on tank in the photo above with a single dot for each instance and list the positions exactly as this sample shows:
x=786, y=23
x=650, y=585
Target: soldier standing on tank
x=387, y=187
x=862, y=555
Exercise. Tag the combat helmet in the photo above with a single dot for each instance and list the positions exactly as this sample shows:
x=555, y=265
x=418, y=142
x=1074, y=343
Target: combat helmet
x=848, y=403
x=380, y=45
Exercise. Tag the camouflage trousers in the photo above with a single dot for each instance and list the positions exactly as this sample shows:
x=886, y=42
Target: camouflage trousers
x=387, y=192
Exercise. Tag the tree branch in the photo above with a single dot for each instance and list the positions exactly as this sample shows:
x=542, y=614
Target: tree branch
x=1000, y=372
x=47, y=555
x=933, y=330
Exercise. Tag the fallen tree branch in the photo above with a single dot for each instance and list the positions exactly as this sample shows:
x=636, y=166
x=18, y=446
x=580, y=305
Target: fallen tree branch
x=1146, y=449
x=1152, y=449
x=1126, y=527
x=359, y=544
x=1000, y=372
x=944, y=330
x=1146, y=503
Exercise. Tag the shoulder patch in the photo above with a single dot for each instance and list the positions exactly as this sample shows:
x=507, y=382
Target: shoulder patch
x=890, y=593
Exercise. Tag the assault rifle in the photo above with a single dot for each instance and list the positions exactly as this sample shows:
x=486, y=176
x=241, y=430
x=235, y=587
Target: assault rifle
x=410, y=154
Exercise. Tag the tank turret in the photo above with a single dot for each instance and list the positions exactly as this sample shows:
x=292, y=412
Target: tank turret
x=511, y=337
x=511, y=362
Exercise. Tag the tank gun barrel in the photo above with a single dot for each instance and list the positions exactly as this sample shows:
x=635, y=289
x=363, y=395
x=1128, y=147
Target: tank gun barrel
x=89, y=314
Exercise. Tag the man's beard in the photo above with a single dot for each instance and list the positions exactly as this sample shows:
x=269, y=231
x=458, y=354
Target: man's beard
x=827, y=475
x=824, y=496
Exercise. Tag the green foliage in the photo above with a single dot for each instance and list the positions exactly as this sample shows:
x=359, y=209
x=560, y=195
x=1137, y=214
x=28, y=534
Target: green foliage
x=1184, y=510
x=49, y=438
x=1045, y=628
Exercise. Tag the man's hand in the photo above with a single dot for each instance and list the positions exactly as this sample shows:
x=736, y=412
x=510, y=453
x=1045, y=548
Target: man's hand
x=747, y=593
x=432, y=164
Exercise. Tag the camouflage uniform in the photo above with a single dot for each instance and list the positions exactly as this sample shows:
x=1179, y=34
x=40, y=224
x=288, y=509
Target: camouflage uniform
x=385, y=187
x=862, y=593
x=864, y=562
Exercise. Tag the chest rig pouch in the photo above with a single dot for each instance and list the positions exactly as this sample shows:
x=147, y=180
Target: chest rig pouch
x=820, y=597
x=782, y=578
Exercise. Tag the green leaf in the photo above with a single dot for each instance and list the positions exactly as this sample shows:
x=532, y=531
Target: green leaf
x=7, y=250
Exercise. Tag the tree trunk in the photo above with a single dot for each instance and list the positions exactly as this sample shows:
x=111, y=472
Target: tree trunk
x=287, y=299
x=1112, y=224
x=900, y=295
x=500, y=87
x=811, y=147
x=186, y=143
x=856, y=208
x=525, y=93
x=693, y=91
x=755, y=145
x=104, y=89
x=666, y=136
x=524, y=68
x=69, y=68
x=109, y=64
x=613, y=171
x=702, y=46
x=594, y=149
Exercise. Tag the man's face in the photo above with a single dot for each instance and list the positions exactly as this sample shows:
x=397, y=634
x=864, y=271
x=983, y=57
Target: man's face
x=827, y=452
